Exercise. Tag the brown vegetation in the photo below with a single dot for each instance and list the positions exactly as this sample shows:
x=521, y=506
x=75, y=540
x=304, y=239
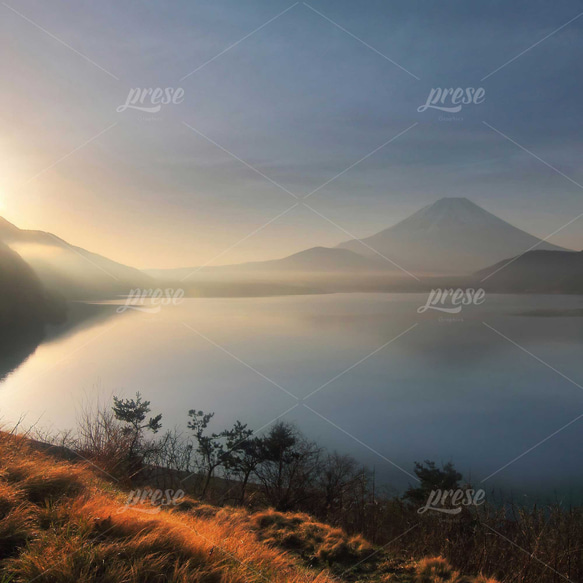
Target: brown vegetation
x=283, y=470
x=59, y=522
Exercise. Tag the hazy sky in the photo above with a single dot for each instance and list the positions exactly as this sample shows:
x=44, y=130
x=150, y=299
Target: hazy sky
x=299, y=100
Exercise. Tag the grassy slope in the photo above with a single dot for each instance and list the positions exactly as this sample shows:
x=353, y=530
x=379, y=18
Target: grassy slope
x=61, y=523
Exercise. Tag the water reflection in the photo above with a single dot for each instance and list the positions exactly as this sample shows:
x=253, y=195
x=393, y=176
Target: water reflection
x=449, y=388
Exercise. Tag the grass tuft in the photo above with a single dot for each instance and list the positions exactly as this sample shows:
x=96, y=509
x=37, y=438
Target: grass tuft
x=315, y=541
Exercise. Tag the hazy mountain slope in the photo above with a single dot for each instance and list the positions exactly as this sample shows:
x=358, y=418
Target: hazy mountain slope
x=450, y=236
x=537, y=272
x=69, y=270
x=314, y=260
x=320, y=259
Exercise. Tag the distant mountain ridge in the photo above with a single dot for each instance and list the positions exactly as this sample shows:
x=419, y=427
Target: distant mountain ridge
x=68, y=270
x=450, y=236
x=322, y=259
x=312, y=260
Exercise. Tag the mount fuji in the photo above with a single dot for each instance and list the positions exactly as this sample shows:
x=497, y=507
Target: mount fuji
x=451, y=236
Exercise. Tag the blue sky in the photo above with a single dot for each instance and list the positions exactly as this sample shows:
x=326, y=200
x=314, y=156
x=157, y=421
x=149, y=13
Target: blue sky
x=317, y=88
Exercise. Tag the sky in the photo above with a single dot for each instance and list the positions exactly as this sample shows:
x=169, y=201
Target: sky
x=282, y=99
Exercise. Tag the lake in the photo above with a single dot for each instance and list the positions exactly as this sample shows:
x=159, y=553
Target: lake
x=491, y=388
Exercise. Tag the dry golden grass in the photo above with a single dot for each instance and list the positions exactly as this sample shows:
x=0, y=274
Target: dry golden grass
x=60, y=523
x=314, y=540
x=319, y=545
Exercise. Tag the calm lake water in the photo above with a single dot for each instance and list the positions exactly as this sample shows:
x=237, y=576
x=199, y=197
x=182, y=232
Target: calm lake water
x=479, y=388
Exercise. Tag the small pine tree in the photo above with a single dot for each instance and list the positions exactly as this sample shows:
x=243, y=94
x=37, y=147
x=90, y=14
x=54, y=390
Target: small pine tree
x=432, y=478
x=133, y=413
x=242, y=455
x=209, y=447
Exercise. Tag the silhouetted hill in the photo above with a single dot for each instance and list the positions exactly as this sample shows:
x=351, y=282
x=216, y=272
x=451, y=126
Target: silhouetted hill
x=536, y=272
x=450, y=236
x=25, y=309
